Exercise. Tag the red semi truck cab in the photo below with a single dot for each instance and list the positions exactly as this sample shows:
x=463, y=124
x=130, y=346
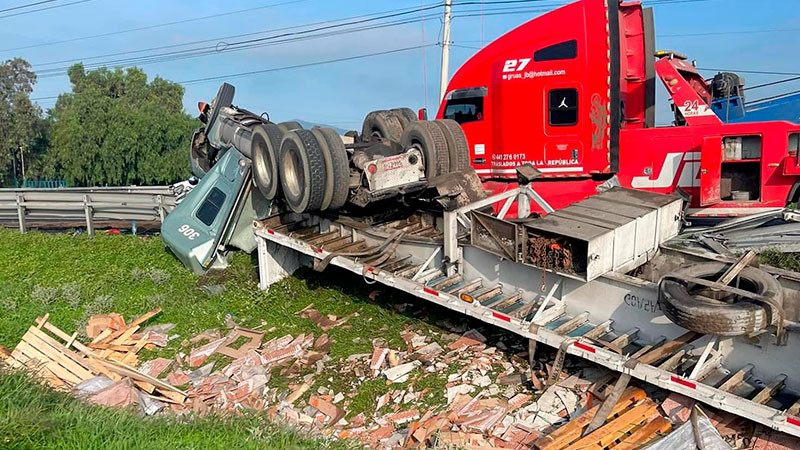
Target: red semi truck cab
x=572, y=92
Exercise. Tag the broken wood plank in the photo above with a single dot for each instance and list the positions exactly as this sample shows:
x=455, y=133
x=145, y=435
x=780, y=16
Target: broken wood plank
x=135, y=323
x=645, y=434
x=34, y=354
x=125, y=370
x=572, y=324
x=734, y=270
x=59, y=355
x=765, y=395
x=667, y=348
x=737, y=378
x=610, y=432
x=598, y=331
x=626, y=338
x=572, y=430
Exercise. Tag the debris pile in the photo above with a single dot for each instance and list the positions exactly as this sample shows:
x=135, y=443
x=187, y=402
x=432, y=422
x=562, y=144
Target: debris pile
x=441, y=389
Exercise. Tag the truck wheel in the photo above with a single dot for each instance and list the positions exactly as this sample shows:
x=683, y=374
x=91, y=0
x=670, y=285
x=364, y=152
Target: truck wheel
x=224, y=99
x=341, y=167
x=681, y=305
x=457, y=147
x=302, y=169
x=326, y=156
x=383, y=125
x=289, y=126
x=429, y=139
x=404, y=115
x=266, y=145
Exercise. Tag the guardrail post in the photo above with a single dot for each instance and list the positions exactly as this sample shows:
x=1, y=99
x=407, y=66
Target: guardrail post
x=21, y=212
x=160, y=200
x=87, y=210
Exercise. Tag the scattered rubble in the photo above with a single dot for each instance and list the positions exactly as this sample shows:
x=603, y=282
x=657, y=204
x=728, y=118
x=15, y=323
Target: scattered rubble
x=484, y=398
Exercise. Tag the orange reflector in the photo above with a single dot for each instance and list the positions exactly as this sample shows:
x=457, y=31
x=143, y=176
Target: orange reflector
x=467, y=298
x=202, y=106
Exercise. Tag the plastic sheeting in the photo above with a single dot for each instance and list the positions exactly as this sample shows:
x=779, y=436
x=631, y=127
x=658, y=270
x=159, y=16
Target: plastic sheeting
x=685, y=438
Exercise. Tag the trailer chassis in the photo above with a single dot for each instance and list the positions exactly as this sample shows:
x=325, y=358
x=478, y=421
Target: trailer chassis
x=613, y=321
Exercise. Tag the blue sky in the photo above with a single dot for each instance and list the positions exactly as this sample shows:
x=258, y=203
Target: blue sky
x=342, y=93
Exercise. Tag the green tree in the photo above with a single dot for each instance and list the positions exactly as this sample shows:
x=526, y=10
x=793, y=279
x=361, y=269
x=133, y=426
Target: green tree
x=115, y=128
x=22, y=128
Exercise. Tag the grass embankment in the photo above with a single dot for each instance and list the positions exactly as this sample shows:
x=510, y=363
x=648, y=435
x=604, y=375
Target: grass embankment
x=75, y=277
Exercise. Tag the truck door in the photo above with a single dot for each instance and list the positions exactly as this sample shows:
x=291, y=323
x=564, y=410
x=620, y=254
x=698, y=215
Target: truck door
x=710, y=170
x=469, y=109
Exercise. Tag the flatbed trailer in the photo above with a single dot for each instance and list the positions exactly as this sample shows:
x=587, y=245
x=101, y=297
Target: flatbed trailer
x=613, y=320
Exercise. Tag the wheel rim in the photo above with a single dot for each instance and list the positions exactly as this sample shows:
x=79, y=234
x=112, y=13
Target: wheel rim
x=292, y=172
x=263, y=163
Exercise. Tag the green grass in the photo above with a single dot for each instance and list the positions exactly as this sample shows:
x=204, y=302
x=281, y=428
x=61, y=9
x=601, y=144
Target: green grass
x=35, y=417
x=786, y=261
x=74, y=277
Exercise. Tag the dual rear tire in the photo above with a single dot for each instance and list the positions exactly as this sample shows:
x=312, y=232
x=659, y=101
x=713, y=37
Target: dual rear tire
x=308, y=169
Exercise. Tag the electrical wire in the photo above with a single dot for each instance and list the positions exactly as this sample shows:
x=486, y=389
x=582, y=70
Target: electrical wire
x=27, y=6
x=152, y=27
x=220, y=39
x=194, y=53
x=20, y=13
x=298, y=66
x=756, y=72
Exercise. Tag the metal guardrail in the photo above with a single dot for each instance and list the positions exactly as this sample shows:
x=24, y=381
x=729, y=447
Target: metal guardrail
x=42, y=207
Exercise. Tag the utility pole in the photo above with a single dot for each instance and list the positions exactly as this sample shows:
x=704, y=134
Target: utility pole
x=448, y=5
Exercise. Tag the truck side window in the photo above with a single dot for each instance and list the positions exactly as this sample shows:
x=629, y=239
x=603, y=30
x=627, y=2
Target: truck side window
x=562, y=107
x=562, y=50
x=465, y=105
x=794, y=142
x=210, y=208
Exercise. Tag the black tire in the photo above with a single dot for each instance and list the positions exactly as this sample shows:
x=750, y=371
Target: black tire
x=224, y=99
x=326, y=155
x=341, y=167
x=405, y=115
x=429, y=139
x=723, y=319
x=290, y=126
x=383, y=125
x=302, y=171
x=266, y=146
x=457, y=147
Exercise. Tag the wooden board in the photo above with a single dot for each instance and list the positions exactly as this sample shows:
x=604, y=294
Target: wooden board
x=645, y=435
x=573, y=429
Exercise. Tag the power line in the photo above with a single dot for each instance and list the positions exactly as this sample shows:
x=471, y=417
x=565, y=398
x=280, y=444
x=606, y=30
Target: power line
x=283, y=68
x=298, y=66
x=713, y=33
x=219, y=39
x=756, y=72
x=251, y=43
x=44, y=9
x=27, y=6
x=151, y=27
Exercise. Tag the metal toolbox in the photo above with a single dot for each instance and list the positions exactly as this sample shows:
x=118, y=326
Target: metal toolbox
x=618, y=230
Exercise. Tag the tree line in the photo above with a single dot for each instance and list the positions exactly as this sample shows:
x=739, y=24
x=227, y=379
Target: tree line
x=113, y=128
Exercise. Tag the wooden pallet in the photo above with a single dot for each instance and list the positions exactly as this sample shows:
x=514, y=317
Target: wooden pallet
x=633, y=421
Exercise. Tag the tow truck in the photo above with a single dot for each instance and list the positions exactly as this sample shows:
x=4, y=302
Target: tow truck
x=578, y=103
x=536, y=202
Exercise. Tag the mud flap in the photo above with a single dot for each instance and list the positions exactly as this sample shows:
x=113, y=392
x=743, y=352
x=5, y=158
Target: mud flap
x=457, y=189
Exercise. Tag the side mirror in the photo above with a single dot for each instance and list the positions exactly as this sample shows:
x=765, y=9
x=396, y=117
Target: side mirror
x=422, y=114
